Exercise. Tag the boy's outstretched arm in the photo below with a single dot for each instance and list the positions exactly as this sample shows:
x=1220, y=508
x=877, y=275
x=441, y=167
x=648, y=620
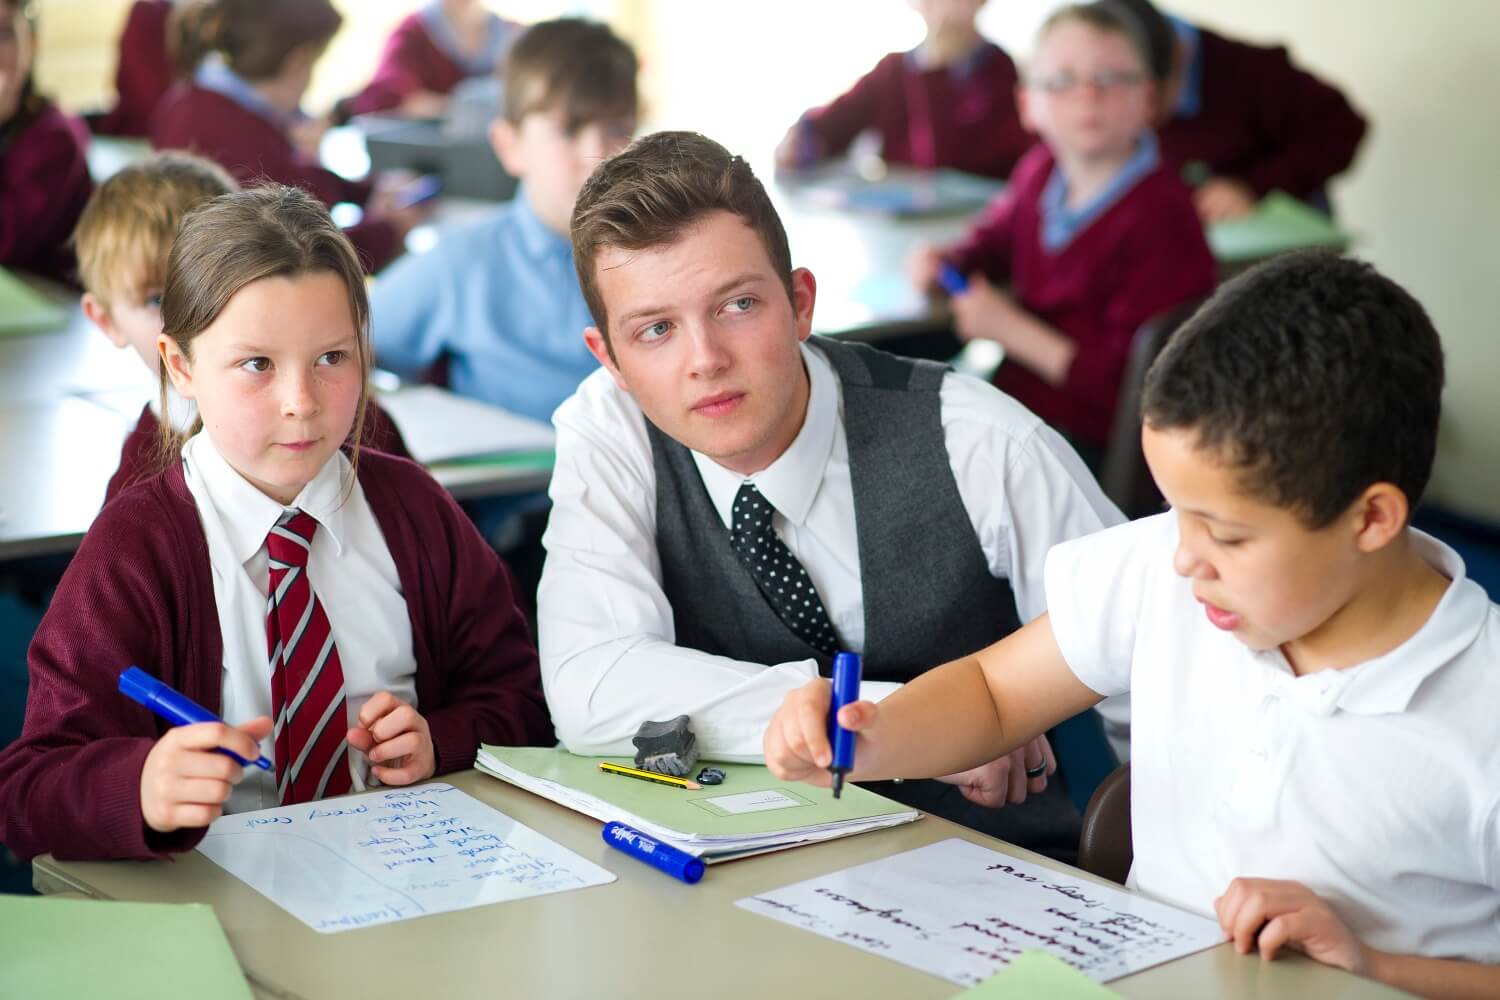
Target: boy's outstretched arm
x=954, y=717
x=1266, y=915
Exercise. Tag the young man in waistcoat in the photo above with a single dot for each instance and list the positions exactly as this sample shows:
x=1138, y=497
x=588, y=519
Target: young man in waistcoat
x=734, y=501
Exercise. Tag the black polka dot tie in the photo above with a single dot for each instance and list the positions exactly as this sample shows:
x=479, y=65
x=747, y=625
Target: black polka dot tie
x=778, y=574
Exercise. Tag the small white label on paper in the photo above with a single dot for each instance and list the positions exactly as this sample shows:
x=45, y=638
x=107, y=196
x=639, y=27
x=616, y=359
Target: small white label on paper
x=754, y=802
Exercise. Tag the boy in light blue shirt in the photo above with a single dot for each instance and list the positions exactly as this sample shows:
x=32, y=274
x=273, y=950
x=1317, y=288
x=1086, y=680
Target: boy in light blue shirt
x=497, y=299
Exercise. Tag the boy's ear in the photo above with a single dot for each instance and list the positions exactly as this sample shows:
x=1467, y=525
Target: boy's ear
x=176, y=364
x=804, y=297
x=598, y=346
x=99, y=316
x=1023, y=108
x=1381, y=514
x=505, y=140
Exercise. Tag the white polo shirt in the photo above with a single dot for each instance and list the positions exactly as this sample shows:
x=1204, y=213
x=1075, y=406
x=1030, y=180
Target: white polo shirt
x=1377, y=786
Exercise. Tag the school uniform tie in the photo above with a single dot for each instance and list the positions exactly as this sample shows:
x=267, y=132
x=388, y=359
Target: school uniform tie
x=778, y=574
x=307, y=679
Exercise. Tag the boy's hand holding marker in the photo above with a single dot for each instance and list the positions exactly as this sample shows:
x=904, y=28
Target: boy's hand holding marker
x=397, y=740
x=187, y=779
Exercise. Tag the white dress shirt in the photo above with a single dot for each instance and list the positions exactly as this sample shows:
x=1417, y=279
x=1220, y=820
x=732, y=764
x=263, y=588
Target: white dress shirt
x=350, y=569
x=605, y=626
x=1377, y=786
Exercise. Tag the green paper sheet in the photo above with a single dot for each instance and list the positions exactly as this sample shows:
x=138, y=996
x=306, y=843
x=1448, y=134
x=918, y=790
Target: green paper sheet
x=71, y=948
x=1038, y=974
x=695, y=812
x=1278, y=224
x=23, y=310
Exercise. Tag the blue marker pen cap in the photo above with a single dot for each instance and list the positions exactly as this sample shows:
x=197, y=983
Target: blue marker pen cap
x=677, y=863
x=136, y=683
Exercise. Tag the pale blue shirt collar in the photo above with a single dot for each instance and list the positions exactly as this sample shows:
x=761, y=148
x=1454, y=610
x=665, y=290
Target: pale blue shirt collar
x=445, y=37
x=1190, y=98
x=1387, y=684
x=1060, y=224
x=538, y=240
x=961, y=68
x=214, y=74
x=248, y=515
x=790, y=483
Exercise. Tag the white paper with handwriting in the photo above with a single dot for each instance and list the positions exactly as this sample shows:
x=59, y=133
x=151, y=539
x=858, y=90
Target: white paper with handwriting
x=962, y=911
x=391, y=854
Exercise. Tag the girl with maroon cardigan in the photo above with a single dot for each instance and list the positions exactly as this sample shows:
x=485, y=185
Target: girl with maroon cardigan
x=248, y=63
x=1095, y=233
x=947, y=103
x=430, y=53
x=44, y=177
x=265, y=575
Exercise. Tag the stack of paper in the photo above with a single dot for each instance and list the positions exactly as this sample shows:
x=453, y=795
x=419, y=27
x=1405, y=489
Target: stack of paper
x=1278, y=224
x=439, y=426
x=750, y=813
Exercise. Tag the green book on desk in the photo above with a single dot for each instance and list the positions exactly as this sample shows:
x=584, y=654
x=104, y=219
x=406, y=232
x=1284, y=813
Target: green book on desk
x=751, y=812
x=1278, y=224
x=24, y=310
x=69, y=948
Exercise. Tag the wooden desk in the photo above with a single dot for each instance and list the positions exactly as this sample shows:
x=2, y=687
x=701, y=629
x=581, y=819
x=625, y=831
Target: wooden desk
x=645, y=935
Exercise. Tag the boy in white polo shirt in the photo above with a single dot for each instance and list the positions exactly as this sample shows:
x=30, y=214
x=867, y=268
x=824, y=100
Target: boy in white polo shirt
x=1315, y=683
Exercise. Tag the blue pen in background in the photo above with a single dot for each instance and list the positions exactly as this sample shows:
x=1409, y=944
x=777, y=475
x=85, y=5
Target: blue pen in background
x=174, y=706
x=846, y=671
x=952, y=280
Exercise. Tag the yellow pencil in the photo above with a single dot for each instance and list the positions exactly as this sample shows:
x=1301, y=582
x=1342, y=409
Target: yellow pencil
x=635, y=772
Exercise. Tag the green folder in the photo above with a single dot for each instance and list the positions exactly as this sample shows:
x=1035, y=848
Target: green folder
x=1037, y=974
x=70, y=948
x=1278, y=224
x=24, y=310
x=709, y=815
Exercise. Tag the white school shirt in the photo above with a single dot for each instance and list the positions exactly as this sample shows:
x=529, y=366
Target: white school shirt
x=1376, y=786
x=605, y=626
x=351, y=570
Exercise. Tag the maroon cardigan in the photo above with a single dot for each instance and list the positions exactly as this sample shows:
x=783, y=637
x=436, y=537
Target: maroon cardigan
x=140, y=591
x=44, y=184
x=144, y=72
x=254, y=150
x=1141, y=257
x=140, y=458
x=931, y=118
x=410, y=62
x=1264, y=121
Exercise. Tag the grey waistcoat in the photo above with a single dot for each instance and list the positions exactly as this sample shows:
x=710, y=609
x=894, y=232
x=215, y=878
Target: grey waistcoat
x=928, y=593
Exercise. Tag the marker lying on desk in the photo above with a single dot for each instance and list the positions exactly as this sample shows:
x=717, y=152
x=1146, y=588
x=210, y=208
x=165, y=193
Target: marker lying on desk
x=952, y=279
x=846, y=670
x=656, y=776
x=677, y=863
x=175, y=707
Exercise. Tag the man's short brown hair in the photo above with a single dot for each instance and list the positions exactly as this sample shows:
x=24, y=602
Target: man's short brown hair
x=649, y=194
x=579, y=67
x=127, y=229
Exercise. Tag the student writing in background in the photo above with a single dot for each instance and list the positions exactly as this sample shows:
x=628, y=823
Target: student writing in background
x=249, y=63
x=123, y=240
x=44, y=178
x=392, y=645
x=430, y=53
x=946, y=103
x=144, y=71
x=1242, y=120
x=498, y=298
x=1313, y=755
x=1095, y=234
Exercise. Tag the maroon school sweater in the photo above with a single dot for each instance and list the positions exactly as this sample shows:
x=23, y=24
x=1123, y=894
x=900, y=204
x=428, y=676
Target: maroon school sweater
x=411, y=61
x=1142, y=256
x=1264, y=121
x=931, y=118
x=140, y=591
x=139, y=458
x=44, y=184
x=144, y=72
x=254, y=150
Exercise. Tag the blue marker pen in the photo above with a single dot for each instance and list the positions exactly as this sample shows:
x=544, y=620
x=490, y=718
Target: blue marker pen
x=846, y=671
x=677, y=863
x=952, y=280
x=176, y=708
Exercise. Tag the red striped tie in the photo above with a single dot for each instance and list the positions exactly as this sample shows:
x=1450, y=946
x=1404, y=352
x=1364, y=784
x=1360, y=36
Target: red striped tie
x=307, y=680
